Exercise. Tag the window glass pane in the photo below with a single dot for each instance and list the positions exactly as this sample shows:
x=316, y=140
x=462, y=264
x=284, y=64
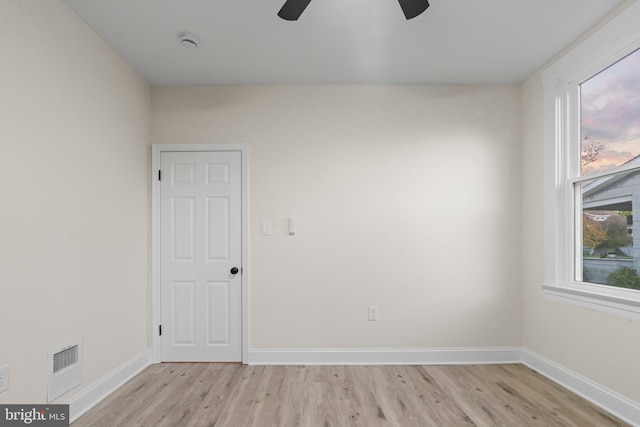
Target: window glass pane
x=610, y=254
x=610, y=116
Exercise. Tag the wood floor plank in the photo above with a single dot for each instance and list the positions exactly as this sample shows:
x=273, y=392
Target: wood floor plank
x=489, y=386
x=234, y=395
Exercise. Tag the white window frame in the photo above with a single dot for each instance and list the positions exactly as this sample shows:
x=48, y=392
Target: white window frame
x=615, y=40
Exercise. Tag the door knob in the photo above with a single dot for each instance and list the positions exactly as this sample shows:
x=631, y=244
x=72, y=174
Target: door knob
x=234, y=270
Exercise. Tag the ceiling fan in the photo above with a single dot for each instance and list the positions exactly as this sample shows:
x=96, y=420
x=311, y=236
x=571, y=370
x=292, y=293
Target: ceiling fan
x=292, y=9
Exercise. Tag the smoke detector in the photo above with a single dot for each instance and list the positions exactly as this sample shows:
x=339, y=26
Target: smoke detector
x=189, y=40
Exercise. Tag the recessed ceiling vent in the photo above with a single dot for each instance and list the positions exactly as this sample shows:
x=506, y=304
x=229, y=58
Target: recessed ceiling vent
x=64, y=370
x=189, y=40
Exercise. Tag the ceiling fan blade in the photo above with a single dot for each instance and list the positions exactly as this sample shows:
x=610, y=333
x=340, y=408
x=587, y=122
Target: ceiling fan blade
x=413, y=8
x=292, y=9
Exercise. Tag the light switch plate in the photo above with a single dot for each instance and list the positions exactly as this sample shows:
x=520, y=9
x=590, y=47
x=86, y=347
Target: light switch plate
x=266, y=228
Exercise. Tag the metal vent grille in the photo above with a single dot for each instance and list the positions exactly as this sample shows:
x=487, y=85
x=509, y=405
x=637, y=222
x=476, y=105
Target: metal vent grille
x=65, y=358
x=64, y=370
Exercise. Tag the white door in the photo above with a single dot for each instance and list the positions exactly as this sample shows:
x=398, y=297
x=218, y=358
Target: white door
x=200, y=250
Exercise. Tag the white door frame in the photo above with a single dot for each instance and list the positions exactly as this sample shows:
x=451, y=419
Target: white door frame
x=156, y=149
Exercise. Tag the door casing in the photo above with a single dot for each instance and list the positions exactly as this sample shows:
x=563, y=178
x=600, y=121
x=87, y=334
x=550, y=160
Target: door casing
x=156, y=149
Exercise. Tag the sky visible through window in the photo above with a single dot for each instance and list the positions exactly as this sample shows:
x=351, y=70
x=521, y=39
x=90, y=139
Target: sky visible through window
x=610, y=116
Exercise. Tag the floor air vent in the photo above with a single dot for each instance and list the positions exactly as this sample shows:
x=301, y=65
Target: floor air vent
x=64, y=370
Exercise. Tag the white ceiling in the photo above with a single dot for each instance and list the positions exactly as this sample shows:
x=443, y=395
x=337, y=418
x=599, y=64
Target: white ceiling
x=340, y=41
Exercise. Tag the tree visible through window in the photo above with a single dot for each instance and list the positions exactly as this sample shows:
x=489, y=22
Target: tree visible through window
x=609, y=181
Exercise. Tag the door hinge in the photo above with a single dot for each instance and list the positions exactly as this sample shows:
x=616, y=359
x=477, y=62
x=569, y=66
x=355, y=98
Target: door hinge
x=159, y=175
x=160, y=330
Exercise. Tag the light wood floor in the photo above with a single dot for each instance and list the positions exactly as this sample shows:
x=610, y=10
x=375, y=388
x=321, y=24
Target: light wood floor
x=233, y=395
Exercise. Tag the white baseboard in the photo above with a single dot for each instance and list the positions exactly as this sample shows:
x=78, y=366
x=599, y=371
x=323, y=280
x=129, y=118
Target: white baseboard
x=92, y=395
x=606, y=399
x=445, y=356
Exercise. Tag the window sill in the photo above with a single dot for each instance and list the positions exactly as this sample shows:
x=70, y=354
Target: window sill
x=623, y=303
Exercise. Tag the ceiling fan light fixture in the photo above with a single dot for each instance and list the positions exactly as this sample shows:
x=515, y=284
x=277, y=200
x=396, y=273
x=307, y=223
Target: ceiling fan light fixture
x=413, y=8
x=292, y=9
x=189, y=40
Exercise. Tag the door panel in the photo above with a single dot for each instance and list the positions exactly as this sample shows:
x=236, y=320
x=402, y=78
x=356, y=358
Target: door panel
x=183, y=228
x=184, y=319
x=218, y=229
x=217, y=173
x=200, y=242
x=218, y=294
x=183, y=174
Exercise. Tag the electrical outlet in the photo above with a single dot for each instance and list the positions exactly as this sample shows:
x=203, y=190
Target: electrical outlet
x=373, y=312
x=4, y=377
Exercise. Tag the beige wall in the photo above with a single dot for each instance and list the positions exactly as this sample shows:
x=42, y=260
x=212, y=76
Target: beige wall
x=74, y=215
x=418, y=199
x=406, y=197
x=600, y=347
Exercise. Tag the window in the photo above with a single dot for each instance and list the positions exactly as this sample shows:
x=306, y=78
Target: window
x=592, y=171
x=609, y=141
